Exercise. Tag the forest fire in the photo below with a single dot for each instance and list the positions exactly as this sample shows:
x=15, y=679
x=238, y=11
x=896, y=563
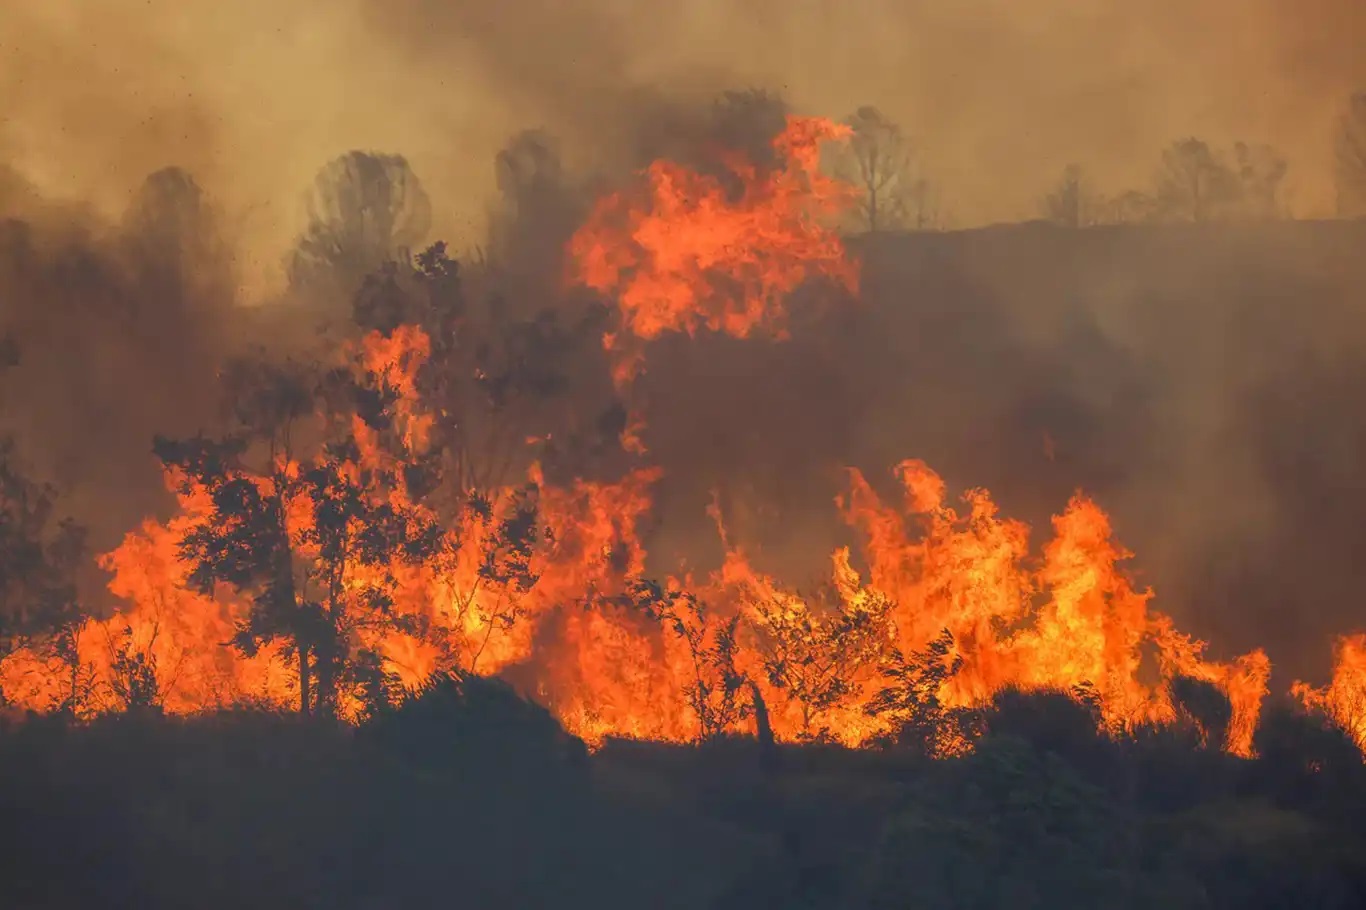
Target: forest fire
x=314, y=564
x=681, y=254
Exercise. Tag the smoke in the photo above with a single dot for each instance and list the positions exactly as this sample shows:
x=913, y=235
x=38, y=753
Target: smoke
x=254, y=97
x=999, y=95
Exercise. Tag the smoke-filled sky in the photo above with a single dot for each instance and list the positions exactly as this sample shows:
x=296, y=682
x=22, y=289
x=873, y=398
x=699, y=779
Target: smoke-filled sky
x=254, y=96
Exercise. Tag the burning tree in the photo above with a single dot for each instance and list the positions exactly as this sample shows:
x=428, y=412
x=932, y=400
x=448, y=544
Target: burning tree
x=911, y=701
x=491, y=382
x=814, y=650
x=38, y=554
x=309, y=536
x=38, y=557
x=1071, y=203
x=714, y=690
x=1343, y=699
x=1193, y=182
x=879, y=159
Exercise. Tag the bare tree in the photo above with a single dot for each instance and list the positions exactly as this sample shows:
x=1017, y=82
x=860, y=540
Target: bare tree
x=1350, y=148
x=1261, y=172
x=364, y=209
x=879, y=160
x=538, y=209
x=1129, y=207
x=1193, y=182
x=923, y=207
x=175, y=240
x=1071, y=202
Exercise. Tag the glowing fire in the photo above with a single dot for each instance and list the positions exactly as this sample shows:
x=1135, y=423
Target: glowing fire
x=1344, y=698
x=680, y=254
x=571, y=618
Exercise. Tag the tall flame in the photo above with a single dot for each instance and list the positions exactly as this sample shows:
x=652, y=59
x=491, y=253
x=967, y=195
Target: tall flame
x=1344, y=697
x=680, y=253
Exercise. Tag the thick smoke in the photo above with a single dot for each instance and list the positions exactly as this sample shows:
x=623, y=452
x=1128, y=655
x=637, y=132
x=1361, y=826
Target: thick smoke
x=119, y=329
x=1198, y=381
x=253, y=97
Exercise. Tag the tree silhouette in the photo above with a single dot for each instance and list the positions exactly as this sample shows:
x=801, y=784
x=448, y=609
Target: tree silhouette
x=714, y=692
x=364, y=209
x=1350, y=158
x=293, y=525
x=1066, y=722
x=1193, y=183
x=1206, y=705
x=508, y=536
x=492, y=380
x=39, y=551
x=1071, y=203
x=813, y=656
x=879, y=161
x=1129, y=207
x=537, y=212
x=173, y=225
x=1261, y=172
x=910, y=698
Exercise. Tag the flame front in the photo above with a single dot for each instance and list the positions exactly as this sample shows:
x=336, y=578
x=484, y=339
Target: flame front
x=613, y=656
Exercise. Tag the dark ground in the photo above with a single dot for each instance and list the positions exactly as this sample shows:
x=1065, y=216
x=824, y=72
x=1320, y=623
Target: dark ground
x=481, y=801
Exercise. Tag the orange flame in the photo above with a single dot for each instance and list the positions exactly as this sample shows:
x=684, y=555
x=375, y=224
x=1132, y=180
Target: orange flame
x=1344, y=698
x=681, y=254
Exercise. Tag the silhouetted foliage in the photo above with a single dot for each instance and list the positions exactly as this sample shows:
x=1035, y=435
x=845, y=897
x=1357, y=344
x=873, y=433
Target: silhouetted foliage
x=879, y=161
x=301, y=576
x=1261, y=172
x=538, y=209
x=492, y=380
x=1072, y=203
x=471, y=725
x=1007, y=826
x=1194, y=183
x=715, y=691
x=1051, y=721
x=364, y=209
x=174, y=235
x=813, y=648
x=39, y=549
x=1207, y=706
x=1306, y=758
x=910, y=698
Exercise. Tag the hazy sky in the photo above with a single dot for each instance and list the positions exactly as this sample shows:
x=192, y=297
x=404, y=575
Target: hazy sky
x=255, y=95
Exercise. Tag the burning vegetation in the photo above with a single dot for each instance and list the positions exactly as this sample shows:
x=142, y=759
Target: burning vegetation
x=423, y=500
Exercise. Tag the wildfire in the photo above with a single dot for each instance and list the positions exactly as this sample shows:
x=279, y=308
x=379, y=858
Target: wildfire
x=680, y=253
x=1344, y=698
x=546, y=584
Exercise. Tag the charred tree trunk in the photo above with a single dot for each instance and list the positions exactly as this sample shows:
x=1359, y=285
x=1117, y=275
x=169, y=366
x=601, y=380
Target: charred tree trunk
x=327, y=654
x=768, y=748
x=305, y=690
